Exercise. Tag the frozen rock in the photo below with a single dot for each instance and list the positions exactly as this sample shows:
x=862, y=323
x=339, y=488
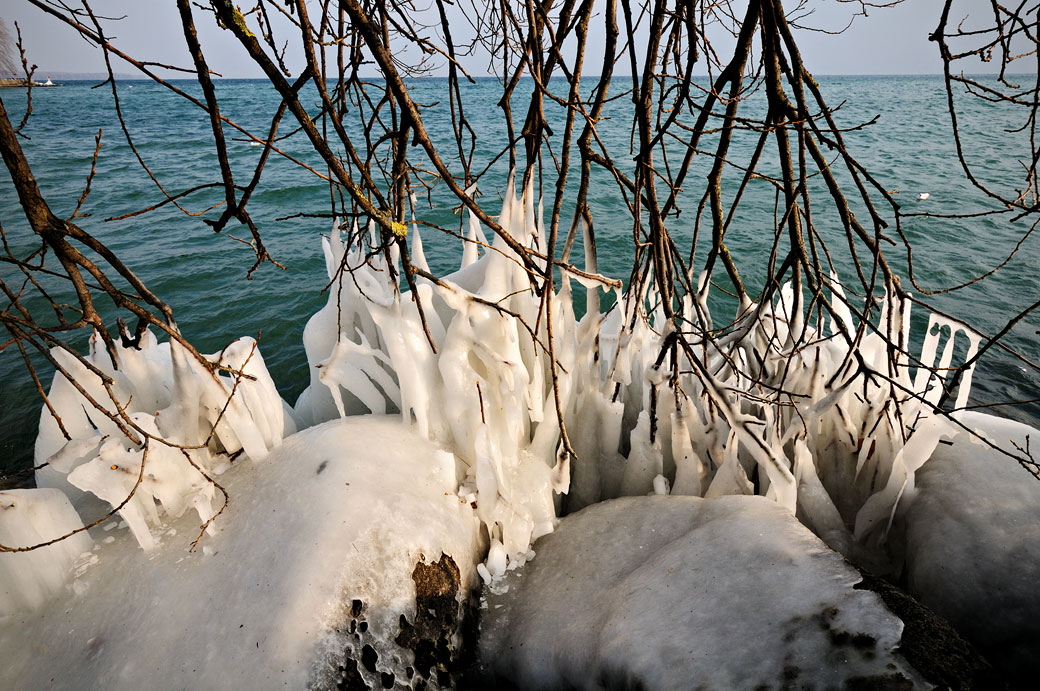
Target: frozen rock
x=30, y=517
x=325, y=564
x=973, y=543
x=682, y=592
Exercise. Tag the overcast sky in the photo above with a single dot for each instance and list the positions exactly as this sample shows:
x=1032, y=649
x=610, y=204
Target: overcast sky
x=888, y=41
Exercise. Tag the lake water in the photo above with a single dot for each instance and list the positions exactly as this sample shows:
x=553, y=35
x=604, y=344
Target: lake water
x=203, y=276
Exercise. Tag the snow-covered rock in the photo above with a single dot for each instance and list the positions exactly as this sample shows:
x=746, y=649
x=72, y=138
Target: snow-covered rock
x=681, y=593
x=973, y=542
x=30, y=517
x=311, y=575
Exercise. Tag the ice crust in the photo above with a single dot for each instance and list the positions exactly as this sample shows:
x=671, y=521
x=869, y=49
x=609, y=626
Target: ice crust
x=683, y=593
x=338, y=512
x=972, y=534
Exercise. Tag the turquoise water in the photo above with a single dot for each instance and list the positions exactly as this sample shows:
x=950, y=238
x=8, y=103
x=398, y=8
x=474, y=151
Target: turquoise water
x=203, y=276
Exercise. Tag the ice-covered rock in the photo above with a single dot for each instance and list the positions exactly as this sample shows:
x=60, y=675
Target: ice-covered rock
x=683, y=593
x=972, y=543
x=31, y=517
x=312, y=576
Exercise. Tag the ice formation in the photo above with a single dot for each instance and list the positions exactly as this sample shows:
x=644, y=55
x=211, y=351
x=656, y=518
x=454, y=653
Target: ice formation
x=840, y=451
x=168, y=425
x=688, y=593
x=972, y=539
x=267, y=601
x=30, y=517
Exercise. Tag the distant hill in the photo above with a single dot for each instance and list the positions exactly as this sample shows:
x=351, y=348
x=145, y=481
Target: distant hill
x=57, y=76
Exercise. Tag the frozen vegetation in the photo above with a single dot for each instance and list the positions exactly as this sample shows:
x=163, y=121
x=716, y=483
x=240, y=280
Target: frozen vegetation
x=299, y=527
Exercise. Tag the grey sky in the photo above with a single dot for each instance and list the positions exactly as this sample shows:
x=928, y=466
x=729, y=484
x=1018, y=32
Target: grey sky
x=889, y=41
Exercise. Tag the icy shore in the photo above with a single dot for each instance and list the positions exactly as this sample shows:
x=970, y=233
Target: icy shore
x=421, y=473
x=310, y=579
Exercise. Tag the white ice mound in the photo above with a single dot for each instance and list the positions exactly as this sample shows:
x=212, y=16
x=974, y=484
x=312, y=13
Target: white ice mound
x=685, y=593
x=147, y=433
x=823, y=415
x=30, y=517
x=339, y=512
x=973, y=543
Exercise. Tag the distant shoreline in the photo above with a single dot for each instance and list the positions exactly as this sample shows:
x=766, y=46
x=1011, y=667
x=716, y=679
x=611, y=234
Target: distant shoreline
x=68, y=77
x=6, y=83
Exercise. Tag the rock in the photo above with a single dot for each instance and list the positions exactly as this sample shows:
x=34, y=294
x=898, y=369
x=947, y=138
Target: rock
x=432, y=649
x=972, y=544
x=441, y=635
x=688, y=593
x=316, y=566
x=932, y=645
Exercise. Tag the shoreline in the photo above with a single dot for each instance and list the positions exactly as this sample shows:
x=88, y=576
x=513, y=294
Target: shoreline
x=12, y=83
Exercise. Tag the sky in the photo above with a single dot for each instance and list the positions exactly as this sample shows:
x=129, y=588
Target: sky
x=888, y=41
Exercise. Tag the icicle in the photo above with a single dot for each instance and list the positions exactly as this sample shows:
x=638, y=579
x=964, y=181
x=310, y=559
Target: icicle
x=881, y=507
x=418, y=257
x=644, y=460
x=470, y=246
x=689, y=470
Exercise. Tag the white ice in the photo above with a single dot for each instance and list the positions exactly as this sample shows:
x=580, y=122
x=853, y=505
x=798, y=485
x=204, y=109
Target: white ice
x=683, y=593
x=338, y=512
x=30, y=517
x=178, y=419
x=972, y=536
x=839, y=457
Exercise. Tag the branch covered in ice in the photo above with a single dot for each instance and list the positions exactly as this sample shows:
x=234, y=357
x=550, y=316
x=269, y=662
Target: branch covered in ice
x=188, y=423
x=824, y=417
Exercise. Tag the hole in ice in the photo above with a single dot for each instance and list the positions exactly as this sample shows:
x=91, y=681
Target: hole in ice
x=369, y=658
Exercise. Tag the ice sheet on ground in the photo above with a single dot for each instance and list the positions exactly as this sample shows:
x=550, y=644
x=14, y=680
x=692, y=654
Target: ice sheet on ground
x=337, y=512
x=973, y=542
x=683, y=592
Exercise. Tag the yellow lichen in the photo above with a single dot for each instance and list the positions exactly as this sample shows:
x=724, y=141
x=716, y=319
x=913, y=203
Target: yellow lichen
x=240, y=22
x=398, y=229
